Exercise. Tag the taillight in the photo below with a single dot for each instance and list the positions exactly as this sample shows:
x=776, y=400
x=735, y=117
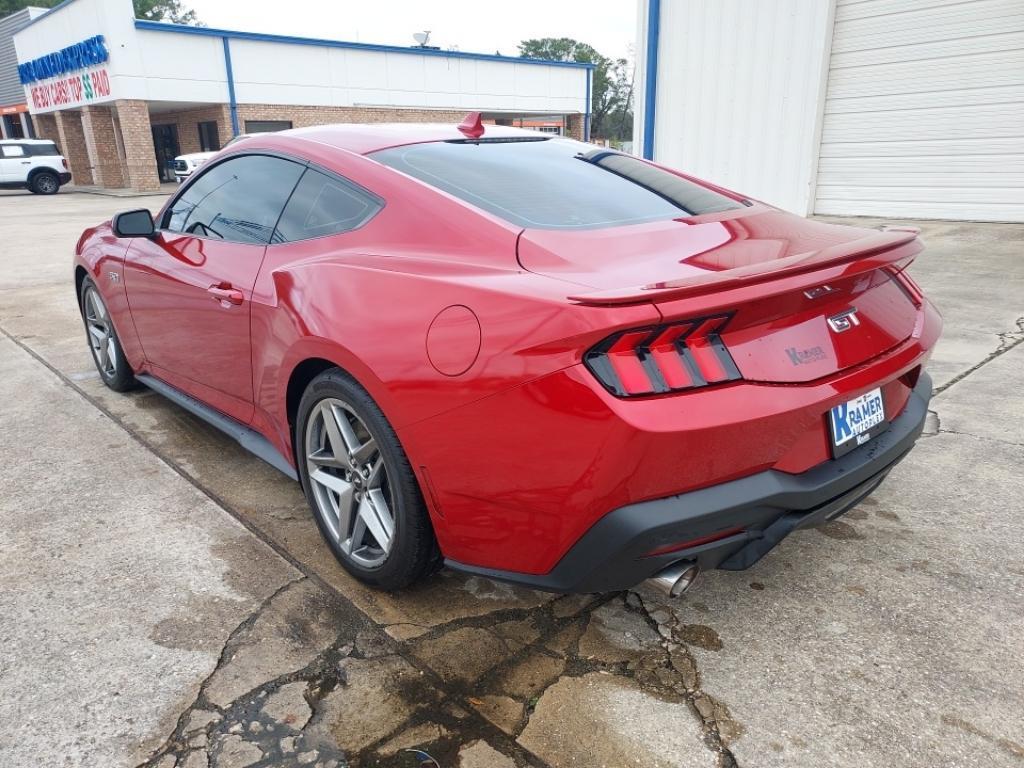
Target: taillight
x=666, y=358
x=65, y=163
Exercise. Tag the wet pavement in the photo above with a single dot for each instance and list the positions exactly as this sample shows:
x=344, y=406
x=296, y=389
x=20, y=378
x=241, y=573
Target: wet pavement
x=167, y=600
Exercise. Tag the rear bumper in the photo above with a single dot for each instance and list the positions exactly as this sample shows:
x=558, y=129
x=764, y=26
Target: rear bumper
x=64, y=178
x=763, y=508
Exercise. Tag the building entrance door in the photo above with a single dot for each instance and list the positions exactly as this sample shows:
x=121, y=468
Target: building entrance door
x=165, y=142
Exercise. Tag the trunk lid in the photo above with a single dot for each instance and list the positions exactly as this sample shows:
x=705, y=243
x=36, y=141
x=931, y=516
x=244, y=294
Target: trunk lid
x=807, y=299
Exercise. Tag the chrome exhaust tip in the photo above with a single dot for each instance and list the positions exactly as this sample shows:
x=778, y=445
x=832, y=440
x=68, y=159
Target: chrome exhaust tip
x=675, y=579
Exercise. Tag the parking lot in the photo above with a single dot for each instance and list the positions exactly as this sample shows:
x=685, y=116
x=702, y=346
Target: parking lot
x=167, y=601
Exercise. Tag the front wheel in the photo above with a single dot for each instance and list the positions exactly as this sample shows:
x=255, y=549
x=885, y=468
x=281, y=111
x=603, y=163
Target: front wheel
x=103, y=342
x=360, y=485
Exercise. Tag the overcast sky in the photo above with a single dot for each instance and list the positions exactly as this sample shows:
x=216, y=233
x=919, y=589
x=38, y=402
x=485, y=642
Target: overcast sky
x=485, y=27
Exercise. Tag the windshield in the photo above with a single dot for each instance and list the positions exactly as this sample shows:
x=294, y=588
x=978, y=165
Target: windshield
x=554, y=183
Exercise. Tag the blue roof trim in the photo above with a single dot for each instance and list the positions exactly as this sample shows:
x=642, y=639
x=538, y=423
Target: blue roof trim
x=159, y=26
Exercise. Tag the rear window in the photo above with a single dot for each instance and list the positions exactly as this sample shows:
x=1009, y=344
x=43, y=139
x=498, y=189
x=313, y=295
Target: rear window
x=554, y=183
x=46, y=149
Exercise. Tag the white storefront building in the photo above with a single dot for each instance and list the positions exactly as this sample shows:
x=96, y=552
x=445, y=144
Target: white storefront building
x=891, y=108
x=123, y=96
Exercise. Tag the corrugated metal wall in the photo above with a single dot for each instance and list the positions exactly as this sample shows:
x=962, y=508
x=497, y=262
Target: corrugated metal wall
x=740, y=88
x=924, y=113
x=11, y=91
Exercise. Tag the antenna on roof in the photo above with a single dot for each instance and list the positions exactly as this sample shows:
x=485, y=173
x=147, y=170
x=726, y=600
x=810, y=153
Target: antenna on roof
x=472, y=126
x=422, y=38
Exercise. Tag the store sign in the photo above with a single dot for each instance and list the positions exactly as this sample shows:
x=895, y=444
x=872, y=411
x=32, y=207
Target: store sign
x=87, y=53
x=71, y=91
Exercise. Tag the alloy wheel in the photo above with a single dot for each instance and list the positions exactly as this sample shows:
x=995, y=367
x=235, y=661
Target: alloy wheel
x=350, y=483
x=101, y=333
x=46, y=184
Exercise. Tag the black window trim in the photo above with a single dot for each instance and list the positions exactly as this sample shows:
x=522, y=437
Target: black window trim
x=165, y=214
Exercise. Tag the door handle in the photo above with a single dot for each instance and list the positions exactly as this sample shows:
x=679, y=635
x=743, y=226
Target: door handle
x=224, y=292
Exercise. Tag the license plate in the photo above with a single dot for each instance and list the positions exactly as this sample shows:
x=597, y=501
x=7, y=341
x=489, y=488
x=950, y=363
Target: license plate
x=856, y=421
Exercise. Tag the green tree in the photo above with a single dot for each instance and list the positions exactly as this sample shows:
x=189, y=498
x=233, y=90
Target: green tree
x=611, y=114
x=151, y=10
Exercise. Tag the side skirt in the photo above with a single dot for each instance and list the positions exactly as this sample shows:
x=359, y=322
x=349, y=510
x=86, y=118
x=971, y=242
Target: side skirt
x=248, y=438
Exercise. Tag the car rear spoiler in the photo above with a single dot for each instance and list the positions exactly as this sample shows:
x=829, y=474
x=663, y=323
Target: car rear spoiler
x=891, y=246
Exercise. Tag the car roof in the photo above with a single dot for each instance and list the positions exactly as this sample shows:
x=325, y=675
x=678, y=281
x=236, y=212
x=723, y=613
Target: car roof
x=364, y=138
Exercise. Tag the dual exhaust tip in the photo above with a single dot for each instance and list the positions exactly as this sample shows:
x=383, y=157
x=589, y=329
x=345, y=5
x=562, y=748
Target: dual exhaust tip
x=675, y=579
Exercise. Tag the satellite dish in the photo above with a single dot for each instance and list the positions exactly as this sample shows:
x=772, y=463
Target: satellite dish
x=421, y=38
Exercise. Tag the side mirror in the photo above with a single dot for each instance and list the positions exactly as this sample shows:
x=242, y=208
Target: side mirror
x=137, y=223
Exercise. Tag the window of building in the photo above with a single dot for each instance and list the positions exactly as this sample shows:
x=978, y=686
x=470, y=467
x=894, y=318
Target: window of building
x=549, y=129
x=239, y=200
x=13, y=150
x=554, y=183
x=267, y=126
x=209, y=140
x=324, y=205
x=13, y=125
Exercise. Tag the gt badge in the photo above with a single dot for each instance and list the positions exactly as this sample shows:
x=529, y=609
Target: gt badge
x=844, y=321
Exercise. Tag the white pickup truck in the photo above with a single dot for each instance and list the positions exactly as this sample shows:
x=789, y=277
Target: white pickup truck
x=186, y=165
x=33, y=164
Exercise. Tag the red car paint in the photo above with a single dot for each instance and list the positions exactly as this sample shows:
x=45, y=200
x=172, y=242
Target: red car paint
x=469, y=332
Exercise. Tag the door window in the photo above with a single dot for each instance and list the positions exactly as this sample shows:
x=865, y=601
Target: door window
x=324, y=205
x=239, y=200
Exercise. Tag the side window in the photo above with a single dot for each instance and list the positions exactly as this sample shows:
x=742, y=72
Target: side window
x=324, y=205
x=13, y=150
x=239, y=200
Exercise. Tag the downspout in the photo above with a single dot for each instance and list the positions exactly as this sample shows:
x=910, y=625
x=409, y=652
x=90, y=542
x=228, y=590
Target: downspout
x=586, y=115
x=231, y=87
x=651, y=76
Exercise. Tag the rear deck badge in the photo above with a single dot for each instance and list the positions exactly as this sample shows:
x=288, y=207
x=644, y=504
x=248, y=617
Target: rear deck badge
x=844, y=321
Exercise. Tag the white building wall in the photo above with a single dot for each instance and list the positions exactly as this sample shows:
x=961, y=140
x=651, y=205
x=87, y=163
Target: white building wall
x=739, y=93
x=188, y=68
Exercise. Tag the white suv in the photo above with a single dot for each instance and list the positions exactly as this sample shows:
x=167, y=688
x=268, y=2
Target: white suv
x=186, y=165
x=32, y=164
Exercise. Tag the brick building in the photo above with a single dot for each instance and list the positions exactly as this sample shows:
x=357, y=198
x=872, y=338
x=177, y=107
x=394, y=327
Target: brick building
x=122, y=97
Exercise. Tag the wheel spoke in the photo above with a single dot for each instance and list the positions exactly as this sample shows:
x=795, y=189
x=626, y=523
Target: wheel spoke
x=375, y=513
x=111, y=354
x=376, y=473
x=324, y=458
x=335, y=483
x=103, y=353
x=364, y=452
x=332, y=426
x=98, y=335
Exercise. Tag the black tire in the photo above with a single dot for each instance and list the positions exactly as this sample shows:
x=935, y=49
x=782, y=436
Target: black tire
x=118, y=375
x=45, y=183
x=414, y=553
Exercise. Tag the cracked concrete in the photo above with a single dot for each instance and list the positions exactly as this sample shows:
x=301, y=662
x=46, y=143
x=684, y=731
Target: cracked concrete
x=888, y=637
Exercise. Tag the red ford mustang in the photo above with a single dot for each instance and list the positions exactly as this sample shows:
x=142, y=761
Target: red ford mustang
x=526, y=357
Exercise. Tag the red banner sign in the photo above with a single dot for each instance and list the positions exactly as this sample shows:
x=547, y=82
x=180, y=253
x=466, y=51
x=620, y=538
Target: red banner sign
x=71, y=91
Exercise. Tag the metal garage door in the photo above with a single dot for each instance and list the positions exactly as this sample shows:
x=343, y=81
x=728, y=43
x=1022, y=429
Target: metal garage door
x=924, y=112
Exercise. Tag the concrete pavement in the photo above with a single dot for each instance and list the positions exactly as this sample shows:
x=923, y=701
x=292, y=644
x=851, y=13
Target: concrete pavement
x=166, y=598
